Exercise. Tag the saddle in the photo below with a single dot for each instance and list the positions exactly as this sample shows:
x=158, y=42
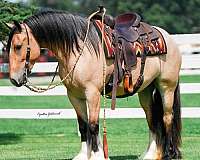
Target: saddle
x=129, y=31
x=129, y=27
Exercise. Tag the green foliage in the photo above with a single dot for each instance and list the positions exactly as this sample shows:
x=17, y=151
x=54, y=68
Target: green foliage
x=177, y=16
x=10, y=12
x=68, y=5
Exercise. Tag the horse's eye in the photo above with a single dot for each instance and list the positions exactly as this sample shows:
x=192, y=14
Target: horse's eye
x=18, y=47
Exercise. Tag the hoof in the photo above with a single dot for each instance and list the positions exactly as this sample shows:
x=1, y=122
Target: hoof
x=98, y=156
x=150, y=152
x=81, y=156
x=148, y=157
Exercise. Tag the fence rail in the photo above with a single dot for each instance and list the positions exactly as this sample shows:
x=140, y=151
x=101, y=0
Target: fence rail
x=190, y=65
x=70, y=113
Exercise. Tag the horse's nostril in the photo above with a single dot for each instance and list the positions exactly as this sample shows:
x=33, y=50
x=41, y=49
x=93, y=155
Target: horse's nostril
x=14, y=82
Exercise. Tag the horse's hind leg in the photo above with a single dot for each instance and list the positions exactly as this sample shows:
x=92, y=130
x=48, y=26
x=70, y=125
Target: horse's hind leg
x=167, y=98
x=171, y=119
x=81, y=111
x=145, y=98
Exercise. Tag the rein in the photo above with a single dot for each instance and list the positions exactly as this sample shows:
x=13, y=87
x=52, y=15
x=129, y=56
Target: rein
x=40, y=89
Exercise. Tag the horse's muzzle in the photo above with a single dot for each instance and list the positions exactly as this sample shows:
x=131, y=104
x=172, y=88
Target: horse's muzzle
x=15, y=83
x=18, y=82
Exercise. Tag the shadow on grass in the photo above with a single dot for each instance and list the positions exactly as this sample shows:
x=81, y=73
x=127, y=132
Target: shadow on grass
x=9, y=138
x=128, y=157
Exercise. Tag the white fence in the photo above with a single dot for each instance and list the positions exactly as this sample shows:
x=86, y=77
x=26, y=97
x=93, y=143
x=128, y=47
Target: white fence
x=70, y=113
x=190, y=66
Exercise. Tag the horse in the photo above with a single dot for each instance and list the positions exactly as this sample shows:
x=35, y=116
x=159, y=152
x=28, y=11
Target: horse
x=64, y=34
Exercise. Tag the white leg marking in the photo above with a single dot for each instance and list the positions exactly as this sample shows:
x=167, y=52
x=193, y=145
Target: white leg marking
x=84, y=153
x=100, y=154
x=150, y=153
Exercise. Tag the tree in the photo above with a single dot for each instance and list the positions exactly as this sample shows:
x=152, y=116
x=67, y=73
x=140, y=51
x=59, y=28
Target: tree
x=68, y=5
x=177, y=16
x=10, y=12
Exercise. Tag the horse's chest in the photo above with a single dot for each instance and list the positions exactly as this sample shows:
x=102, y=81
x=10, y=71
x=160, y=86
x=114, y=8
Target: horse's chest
x=74, y=89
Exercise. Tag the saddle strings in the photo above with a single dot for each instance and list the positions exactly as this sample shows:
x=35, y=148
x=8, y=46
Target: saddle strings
x=34, y=88
x=105, y=143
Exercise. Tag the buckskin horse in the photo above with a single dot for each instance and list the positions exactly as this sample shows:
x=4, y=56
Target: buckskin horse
x=80, y=57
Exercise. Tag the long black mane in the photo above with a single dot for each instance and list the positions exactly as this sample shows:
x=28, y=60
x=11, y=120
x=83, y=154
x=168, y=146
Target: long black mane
x=60, y=30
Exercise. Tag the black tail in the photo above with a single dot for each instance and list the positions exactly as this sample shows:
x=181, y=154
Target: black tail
x=177, y=124
x=158, y=124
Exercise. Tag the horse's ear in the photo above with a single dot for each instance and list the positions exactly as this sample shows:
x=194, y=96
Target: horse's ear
x=3, y=42
x=8, y=25
x=17, y=24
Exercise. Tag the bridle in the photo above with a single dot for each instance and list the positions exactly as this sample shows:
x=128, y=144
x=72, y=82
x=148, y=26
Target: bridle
x=27, y=71
x=28, y=50
x=51, y=86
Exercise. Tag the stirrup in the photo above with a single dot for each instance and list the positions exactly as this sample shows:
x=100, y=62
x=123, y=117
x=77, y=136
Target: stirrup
x=128, y=83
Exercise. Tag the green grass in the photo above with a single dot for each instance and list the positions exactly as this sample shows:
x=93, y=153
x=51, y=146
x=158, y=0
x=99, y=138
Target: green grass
x=183, y=79
x=5, y=82
x=24, y=102
x=27, y=102
x=188, y=100
x=190, y=79
x=57, y=139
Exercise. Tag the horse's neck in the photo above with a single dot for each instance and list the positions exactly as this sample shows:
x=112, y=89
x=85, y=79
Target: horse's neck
x=66, y=60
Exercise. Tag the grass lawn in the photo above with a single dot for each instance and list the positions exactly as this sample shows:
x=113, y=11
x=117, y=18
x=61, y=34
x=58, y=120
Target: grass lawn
x=57, y=139
x=190, y=79
x=188, y=100
x=23, y=102
x=183, y=79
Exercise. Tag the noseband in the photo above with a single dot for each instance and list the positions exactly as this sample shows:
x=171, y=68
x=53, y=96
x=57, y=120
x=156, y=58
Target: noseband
x=28, y=50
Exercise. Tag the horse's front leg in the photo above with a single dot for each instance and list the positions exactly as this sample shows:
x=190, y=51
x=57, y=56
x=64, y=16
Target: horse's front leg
x=93, y=101
x=81, y=111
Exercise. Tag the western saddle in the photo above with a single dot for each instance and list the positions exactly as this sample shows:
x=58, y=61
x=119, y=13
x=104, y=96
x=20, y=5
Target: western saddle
x=126, y=30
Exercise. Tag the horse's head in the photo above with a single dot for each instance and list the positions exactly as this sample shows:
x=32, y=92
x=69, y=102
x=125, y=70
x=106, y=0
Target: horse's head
x=23, y=52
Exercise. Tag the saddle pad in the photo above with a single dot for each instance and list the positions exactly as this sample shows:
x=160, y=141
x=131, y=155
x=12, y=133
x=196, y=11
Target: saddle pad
x=107, y=38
